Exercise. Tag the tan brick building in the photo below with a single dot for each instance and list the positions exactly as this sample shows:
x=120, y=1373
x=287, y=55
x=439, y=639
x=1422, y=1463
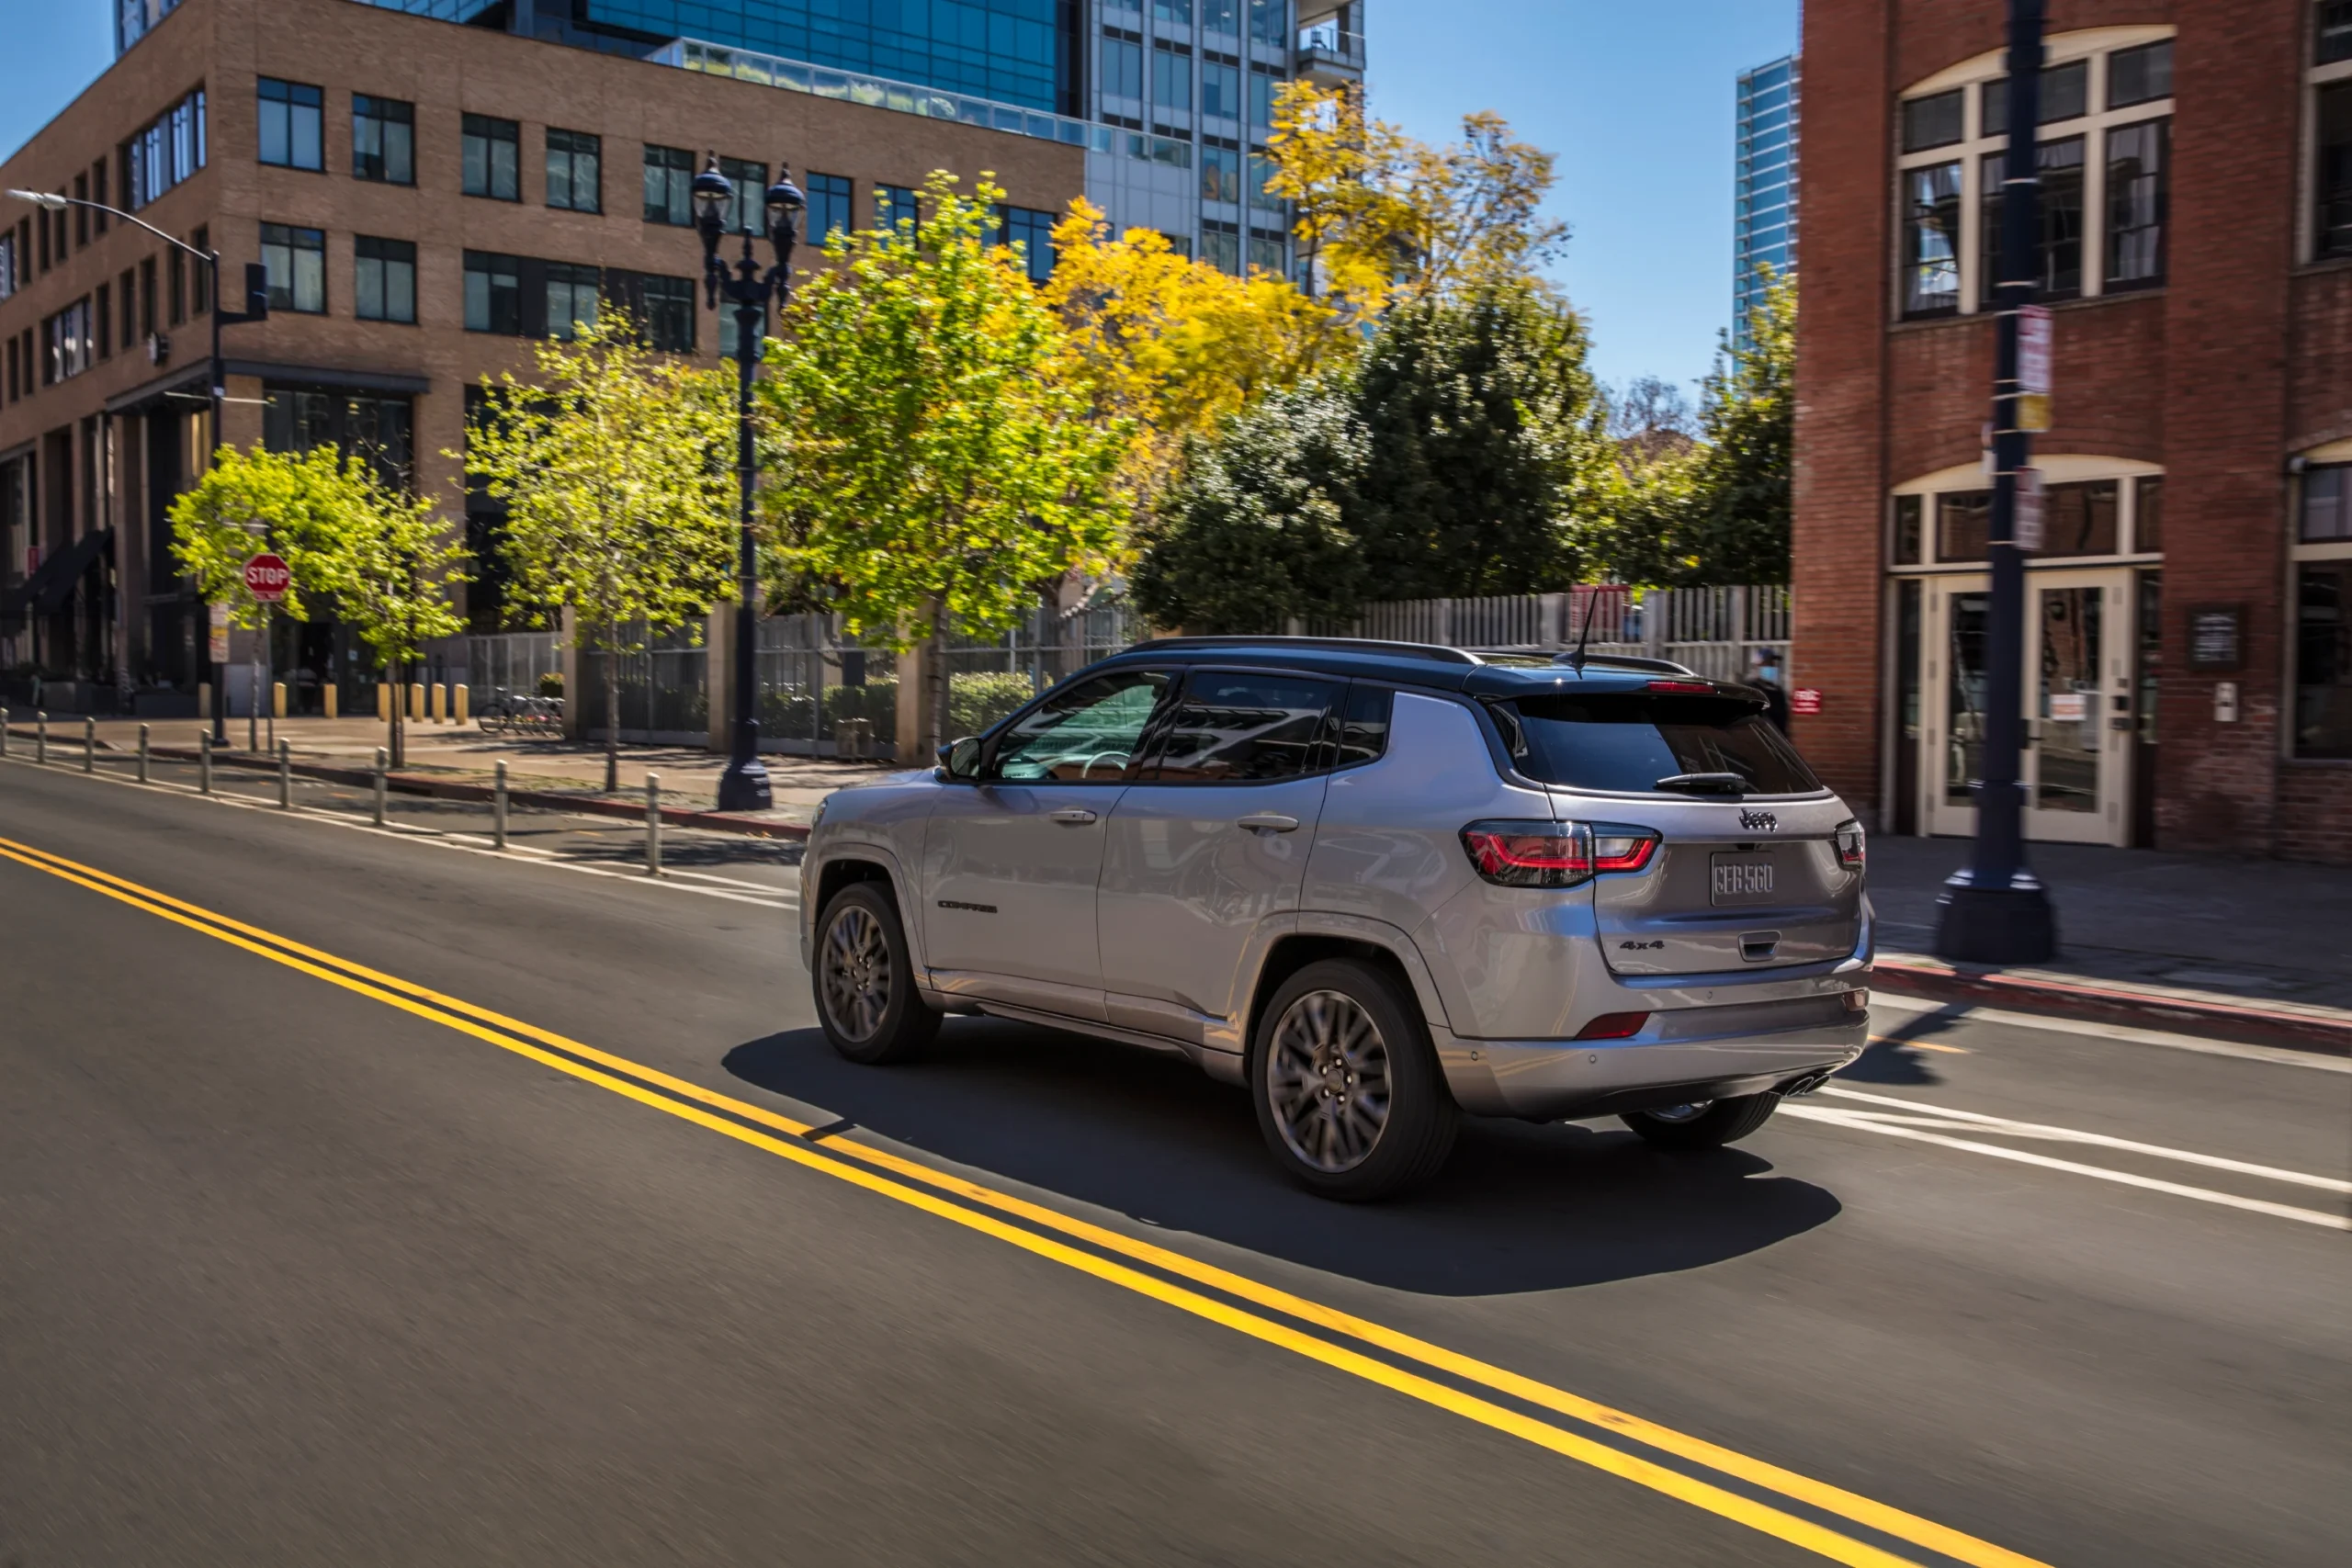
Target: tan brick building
x=427, y=197
x=2189, y=619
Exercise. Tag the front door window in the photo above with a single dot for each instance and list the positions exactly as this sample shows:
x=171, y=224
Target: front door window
x=1088, y=734
x=2073, y=726
x=1965, y=619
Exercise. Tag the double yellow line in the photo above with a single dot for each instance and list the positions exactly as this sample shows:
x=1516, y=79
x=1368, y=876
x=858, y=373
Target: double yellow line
x=1819, y=1517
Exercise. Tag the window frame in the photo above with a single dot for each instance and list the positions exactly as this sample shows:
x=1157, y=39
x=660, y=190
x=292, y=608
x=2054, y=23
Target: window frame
x=1173, y=679
x=360, y=258
x=488, y=268
x=2129, y=475
x=572, y=151
x=827, y=188
x=2319, y=80
x=295, y=249
x=2095, y=46
x=492, y=132
x=289, y=94
x=1144, y=771
x=404, y=120
x=675, y=166
x=2334, y=459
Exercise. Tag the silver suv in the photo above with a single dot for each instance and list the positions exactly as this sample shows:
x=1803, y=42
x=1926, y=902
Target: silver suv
x=1372, y=883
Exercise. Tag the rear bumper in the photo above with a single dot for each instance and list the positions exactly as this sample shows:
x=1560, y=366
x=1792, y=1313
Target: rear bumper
x=1681, y=1054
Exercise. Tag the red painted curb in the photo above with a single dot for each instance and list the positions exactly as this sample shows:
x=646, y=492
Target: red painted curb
x=2181, y=1015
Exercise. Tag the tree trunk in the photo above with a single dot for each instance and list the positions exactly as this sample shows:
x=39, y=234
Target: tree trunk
x=400, y=701
x=937, y=676
x=612, y=722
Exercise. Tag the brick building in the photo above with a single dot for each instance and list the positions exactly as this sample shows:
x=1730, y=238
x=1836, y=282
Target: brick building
x=427, y=197
x=2189, y=619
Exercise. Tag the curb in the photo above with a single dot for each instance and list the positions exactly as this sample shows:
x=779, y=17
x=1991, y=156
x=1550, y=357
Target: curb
x=2213, y=1017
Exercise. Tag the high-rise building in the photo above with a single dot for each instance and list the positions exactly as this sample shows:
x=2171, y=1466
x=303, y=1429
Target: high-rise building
x=1764, y=221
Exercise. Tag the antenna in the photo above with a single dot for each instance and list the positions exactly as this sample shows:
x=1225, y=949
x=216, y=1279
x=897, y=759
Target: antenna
x=1591, y=602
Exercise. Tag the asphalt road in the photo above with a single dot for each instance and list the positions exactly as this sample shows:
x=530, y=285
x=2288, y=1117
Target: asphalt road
x=455, y=1208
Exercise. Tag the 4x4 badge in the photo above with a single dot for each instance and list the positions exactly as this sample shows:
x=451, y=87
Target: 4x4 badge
x=1763, y=821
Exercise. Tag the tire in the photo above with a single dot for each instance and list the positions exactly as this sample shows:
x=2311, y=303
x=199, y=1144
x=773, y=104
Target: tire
x=1310, y=1085
x=1709, y=1124
x=863, y=981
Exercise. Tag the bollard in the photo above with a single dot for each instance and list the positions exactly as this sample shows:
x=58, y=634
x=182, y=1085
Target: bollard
x=415, y=703
x=432, y=696
x=285, y=775
x=143, y=755
x=40, y=736
x=278, y=699
x=330, y=696
x=204, y=699
x=3, y=732
x=383, y=701
x=89, y=745
x=458, y=705
x=204, y=761
x=498, y=807
x=382, y=761
x=653, y=824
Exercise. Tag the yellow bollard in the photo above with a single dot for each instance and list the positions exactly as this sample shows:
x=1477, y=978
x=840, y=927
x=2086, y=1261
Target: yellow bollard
x=433, y=700
x=383, y=701
x=328, y=694
x=278, y=699
x=415, y=703
x=457, y=704
x=204, y=699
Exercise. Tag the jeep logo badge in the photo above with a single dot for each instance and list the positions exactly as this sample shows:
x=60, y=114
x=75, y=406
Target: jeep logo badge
x=1760, y=821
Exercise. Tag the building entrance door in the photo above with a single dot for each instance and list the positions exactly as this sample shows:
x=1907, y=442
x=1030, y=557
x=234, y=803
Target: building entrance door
x=2079, y=648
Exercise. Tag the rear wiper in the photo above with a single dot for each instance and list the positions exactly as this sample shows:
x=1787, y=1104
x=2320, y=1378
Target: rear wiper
x=1704, y=783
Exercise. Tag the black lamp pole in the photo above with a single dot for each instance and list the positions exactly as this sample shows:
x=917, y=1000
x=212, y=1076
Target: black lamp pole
x=744, y=785
x=1996, y=911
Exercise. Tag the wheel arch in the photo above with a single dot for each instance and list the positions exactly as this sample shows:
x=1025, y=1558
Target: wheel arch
x=1383, y=947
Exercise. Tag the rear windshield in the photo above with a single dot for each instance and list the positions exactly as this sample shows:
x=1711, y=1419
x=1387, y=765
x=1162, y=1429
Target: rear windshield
x=1629, y=740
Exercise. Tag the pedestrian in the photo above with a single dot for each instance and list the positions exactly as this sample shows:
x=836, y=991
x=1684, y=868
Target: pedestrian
x=1764, y=674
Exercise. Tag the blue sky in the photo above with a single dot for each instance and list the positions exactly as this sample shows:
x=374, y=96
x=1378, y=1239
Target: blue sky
x=1635, y=100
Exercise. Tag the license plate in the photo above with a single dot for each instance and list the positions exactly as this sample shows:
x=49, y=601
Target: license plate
x=1743, y=879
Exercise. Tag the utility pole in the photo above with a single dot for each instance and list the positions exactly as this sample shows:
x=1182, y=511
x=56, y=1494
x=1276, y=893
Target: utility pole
x=1995, y=910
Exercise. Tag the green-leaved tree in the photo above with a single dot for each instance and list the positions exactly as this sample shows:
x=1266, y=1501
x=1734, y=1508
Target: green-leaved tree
x=614, y=465
x=934, y=469
x=394, y=565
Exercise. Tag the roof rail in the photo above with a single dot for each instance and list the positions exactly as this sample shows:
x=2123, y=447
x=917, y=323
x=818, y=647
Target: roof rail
x=1627, y=662
x=1429, y=652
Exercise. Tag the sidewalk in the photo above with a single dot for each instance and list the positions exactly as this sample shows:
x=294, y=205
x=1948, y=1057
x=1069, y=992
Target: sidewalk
x=2204, y=944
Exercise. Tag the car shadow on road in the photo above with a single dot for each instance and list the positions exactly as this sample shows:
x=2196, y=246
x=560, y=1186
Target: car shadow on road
x=1520, y=1208
x=1894, y=1059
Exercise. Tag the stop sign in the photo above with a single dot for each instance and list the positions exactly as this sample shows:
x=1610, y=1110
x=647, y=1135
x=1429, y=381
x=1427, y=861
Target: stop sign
x=267, y=577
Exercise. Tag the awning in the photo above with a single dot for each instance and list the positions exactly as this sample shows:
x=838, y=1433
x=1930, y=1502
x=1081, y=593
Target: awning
x=54, y=579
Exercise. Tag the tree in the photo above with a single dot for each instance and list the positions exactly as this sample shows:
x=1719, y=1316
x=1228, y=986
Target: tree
x=1255, y=528
x=1172, y=345
x=1484, y=439
x=1380, y=214
x=1651, y=419
x=614, y=467
x=1737, y=529
x=391, y=567
x=935, y=467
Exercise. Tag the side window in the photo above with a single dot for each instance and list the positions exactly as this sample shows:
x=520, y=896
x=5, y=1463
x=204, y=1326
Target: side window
x=1363, y=728
x=1089, y=732
x=1235, y=727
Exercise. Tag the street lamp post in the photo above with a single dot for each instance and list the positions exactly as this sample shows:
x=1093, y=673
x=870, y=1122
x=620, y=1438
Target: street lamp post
x=744, y=785
x=256, y=308
x=1996, y=910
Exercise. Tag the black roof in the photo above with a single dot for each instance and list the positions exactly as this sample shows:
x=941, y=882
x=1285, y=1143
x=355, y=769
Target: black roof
x=1427, y=665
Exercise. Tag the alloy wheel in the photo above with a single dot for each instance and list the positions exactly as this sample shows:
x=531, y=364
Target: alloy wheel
x=856, y=972
x=1328, y=1081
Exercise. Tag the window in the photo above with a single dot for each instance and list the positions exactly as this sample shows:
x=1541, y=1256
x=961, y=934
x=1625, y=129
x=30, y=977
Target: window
x=1220, y=173
x=2324, y=660
x=99, y=184
x=1177, y=11
x=2138, y=188
x=2327, y=506
x=383, y=140
x=373, y=426
x=1963, y=525
x=1262, y=83
x=747, y=210
x=164, y=151
x=81, y=214
x=289, y=113
x=1244, y=728
x=2148, y=514
x=2066, y=94
x=1217, y=16
x=1122, y=68
x=67, y=336
x=1262, y=170
x=1270, y=21
x=1364, y=726
x=1033, y=231
x=2059, y=248
x=1220, y=89
x=1084, y=733
x=572, y=298
x=201, y=277
x=297, y=260
x=1931, y=240
x=2080, y=519
x=491, y=153
x=384, y=285
x=2139, y=75
x=1266, y=252
x=1171, y=77
x=894, y=205
x=1221, y=247
x=102, y=324
x=1931, y=121
x=493, y=294
x=575, y=171
x=127, y=290
x=175, y=262
x=828, y=214
x=2332, y=172
x=147, y=297
x=2332, y=21
x=7, y=265
x=669, y=186
x=663, y=307
x=1627, y=742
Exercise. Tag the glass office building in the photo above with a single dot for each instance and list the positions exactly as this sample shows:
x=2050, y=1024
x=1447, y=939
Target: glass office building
x=1764, y=220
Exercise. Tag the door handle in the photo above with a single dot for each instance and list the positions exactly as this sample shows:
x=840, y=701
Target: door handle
x=1073, y=816
x=1267, y=821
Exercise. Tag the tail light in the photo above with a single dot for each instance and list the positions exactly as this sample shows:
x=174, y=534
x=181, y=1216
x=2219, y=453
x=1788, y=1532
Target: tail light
x=1554, y=854
x=1848, y=836
x=1685, y=688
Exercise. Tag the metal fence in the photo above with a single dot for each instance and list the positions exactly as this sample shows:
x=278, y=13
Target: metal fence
x=1722, y=633
x=664, y=691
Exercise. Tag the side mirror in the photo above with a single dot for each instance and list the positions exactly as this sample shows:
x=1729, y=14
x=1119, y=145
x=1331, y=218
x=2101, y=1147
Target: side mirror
x=960, y=758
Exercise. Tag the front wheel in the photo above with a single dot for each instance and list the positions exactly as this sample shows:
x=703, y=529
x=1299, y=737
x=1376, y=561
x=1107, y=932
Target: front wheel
x=866, y=999
x=1703, y=1125
x=1349, y=1093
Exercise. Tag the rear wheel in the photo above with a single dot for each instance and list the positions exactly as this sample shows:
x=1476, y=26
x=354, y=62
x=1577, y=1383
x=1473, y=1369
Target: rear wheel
x=866, y=999
x=1348, y=1091
x=1705, y=1123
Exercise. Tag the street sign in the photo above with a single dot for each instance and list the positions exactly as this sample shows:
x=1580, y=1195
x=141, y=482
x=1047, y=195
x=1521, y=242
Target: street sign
x=218, y=650
x=266, y=578
x=2034, y=349
x=2027, y=532
x=1805, y=701
x=2033, y=412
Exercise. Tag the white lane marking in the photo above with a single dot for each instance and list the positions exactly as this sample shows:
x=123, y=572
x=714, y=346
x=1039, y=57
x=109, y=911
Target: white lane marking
x=1860, y=1121
x=2276, y=1055
x=1926, y=1115
x=465, y=843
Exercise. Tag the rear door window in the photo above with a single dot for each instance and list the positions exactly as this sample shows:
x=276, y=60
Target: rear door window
x=1245, y=727
x=1628, y=741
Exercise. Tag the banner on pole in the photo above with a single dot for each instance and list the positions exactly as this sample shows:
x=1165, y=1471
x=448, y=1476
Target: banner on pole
x=2028, y=531
x=218, y=652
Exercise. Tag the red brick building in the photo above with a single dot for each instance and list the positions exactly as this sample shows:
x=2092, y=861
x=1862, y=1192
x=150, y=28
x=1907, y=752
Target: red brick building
x=2189, y=618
